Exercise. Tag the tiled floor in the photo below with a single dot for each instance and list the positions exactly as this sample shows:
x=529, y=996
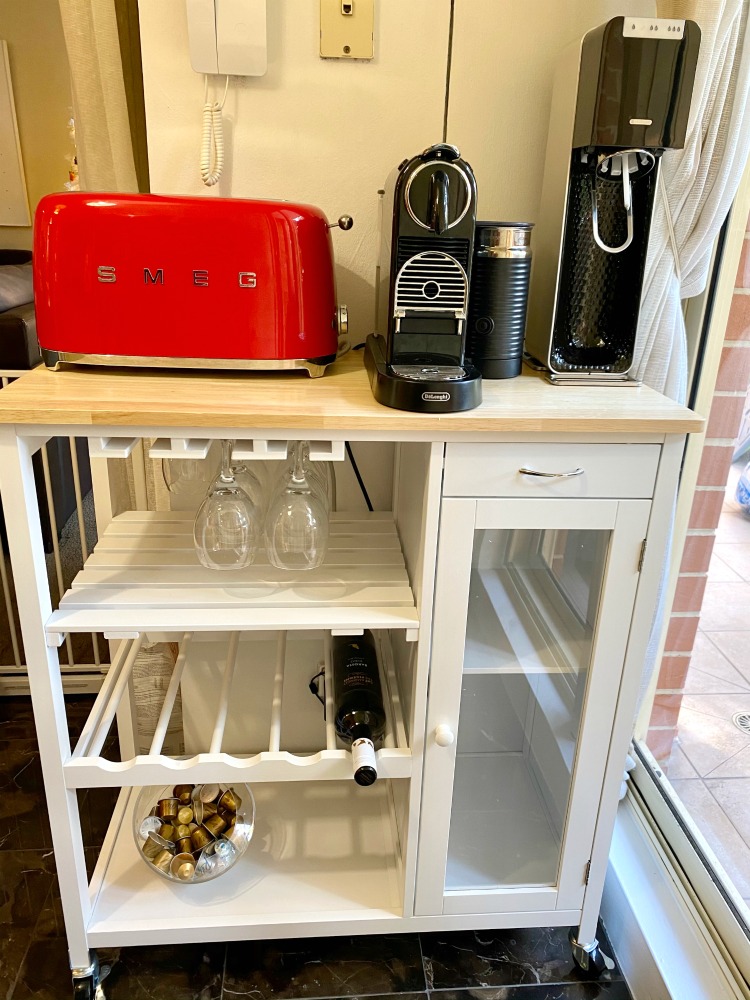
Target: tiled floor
x=710, y=762
x=488, y=965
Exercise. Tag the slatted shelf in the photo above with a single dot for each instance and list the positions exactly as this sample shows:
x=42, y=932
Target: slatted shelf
x=144, y=575
x=217, y=752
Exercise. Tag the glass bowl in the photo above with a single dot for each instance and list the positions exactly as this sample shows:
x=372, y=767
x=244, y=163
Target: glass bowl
x=217, y=820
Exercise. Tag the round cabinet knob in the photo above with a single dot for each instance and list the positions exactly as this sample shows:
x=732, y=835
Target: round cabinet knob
x=444, y=736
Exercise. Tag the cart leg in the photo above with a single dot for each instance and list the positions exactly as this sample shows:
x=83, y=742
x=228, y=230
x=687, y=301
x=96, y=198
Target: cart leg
x=589, y=956
x=87, y=981
x=34, y=608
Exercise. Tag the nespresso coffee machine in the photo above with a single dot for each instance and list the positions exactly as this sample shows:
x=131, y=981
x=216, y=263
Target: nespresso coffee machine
x=621, y=97
x=416, y=358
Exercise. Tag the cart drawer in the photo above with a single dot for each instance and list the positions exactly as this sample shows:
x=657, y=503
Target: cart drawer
x=609, y=470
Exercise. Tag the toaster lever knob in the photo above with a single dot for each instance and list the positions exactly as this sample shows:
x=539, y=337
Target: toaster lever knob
x=344, y=222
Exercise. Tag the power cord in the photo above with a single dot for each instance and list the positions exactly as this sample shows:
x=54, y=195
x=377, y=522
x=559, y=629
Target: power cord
x=359, y=477
x=212, y=137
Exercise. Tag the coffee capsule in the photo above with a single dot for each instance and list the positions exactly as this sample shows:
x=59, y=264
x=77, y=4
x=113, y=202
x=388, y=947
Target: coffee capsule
x=209, y=809
x=201, y=838
x=209, y=793
x=205, y=864
x=215, y=825
x=154, y=843
x=181, y=830
x=192, y=827
x=229, y=801
x=163, y=860
x=183, y=866
x=183, y=793
x=185, y=815
x=184, y=846
x=225, y=849
x=151, y=824
x=168, y=808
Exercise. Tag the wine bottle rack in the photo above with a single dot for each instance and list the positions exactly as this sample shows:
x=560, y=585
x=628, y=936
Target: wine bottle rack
x=87, y=767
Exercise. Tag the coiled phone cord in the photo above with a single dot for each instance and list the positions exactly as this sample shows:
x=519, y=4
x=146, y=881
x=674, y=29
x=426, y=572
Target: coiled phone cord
x=212, y=138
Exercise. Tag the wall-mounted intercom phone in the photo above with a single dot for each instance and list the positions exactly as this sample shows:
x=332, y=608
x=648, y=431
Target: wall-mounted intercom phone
x=226, y=37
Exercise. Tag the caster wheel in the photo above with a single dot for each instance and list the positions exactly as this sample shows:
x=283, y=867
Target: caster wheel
x=590, y=959
x=84, y=989
x=596, y=964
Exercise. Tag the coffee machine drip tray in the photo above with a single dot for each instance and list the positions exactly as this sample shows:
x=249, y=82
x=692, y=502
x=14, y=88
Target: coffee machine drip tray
x=443, y=373
x=422, y=388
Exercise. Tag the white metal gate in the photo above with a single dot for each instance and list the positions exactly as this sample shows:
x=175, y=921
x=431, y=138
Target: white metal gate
x=82, y=666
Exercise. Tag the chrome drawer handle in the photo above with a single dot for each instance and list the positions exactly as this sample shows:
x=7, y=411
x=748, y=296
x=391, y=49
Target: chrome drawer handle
x=551, y=475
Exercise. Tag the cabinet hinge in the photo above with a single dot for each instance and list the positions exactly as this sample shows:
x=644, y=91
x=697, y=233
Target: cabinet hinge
x=587, y=873
x=642, y=555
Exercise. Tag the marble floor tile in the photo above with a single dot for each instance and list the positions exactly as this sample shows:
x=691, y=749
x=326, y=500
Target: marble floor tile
x=25, y=882
x=735, y=556
x=733, y=796
x=16, y=719
x=24, y=824
x=617, y=990
x=709, y=740
x=95, y=808
x=731, y=850
x=325, y=967
x=174, y=972
x=469, y=959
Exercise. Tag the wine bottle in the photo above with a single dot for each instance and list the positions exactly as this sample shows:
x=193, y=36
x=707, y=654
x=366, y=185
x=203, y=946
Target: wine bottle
x=358, y=700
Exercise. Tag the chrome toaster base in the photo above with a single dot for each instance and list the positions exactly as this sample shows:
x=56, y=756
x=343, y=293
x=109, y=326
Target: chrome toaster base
x=314, y=366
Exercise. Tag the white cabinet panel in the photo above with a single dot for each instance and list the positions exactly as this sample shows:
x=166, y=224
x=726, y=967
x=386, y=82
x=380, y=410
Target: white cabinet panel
x=533, y=603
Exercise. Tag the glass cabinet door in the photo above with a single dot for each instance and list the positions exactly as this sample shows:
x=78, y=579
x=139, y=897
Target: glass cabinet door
x=538, y=599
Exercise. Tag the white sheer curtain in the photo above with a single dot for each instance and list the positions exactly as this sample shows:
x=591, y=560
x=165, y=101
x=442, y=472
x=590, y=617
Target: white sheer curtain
x=696, y=188
x=104, y=145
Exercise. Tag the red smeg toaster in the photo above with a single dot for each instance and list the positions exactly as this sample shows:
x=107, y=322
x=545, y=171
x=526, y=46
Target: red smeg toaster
x=127, y=279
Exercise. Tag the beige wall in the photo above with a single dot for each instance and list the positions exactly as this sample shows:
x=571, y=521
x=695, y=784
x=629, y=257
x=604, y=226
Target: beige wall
x=41, y=87
x=328, y=132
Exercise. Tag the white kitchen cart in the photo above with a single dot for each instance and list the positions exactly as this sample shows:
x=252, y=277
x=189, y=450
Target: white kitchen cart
x=511, y=587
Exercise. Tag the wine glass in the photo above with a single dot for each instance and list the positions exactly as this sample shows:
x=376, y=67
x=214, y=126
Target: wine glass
x=226, y=526
x=247, y=480
x=186, y=476
x=297, y=520
x=317, y=474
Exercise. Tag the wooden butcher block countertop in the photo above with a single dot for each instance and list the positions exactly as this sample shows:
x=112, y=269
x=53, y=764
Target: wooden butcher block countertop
x=339, y=401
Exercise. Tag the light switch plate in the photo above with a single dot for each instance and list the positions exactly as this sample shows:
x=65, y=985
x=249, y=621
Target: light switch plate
x=347, y=29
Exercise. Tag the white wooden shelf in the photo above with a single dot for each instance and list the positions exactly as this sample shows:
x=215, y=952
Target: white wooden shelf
x=144, y=575
x=221, y=753
x=501, y=635
x=326, y=853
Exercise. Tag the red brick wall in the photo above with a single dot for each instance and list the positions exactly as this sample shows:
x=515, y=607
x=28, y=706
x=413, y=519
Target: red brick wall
x=723, y=424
